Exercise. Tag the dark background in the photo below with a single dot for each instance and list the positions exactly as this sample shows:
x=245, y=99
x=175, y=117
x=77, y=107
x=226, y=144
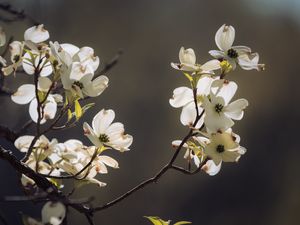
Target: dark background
x=262, y=189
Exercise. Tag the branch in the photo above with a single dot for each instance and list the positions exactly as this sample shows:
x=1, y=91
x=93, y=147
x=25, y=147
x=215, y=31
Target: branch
x=17, y=15
x=108, y=66
x=8, y=134
x=22, y=168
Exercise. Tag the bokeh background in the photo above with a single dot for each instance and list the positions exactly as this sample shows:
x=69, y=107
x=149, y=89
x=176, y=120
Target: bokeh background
x=262, y=189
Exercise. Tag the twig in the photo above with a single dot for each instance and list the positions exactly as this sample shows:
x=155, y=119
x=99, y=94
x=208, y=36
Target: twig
x=111, y=63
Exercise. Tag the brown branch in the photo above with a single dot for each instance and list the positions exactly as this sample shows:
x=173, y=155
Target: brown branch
x=16, y=15
x=22, y=168
x=8, y=134
x=108, y=66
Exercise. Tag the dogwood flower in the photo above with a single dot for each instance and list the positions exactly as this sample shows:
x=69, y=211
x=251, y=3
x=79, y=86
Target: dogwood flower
x=16, y=52
x=224, y=146
x=53, y=213
x=183, y=97
x=106, y=133
x=77, y=68
x=195, y=152
x=26, y=94
x=188, y=63
x=240, y=55
x=219, y=112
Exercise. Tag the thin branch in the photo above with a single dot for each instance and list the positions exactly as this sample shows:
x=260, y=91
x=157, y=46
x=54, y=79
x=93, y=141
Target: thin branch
x=22, y=168
x=108, y=66
x=8, y=134
x=16, y=15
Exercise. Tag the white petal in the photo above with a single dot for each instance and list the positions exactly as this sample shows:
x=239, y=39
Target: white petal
x=36, y=34
x=242, y=49
x=176, y=143
x=97, y=86
x=188, y=115
x=211, y=65
x=24, y=94
x=89, y=132
x=16, y=50
x=217, y=54
x=44, y=84
x=27, y=64
x=115, y=129
x=108, y=161
x=78, y=70
x=181, y=96
x=224, y=88
x=70, y=48
x=123, y=143
x=225, y=37
x=250, y=62
x=187, y=56
x=102, y=120
x=86, y=57
x=235, y=109
x=203, y=85
x=210, y=168
x=22, y=143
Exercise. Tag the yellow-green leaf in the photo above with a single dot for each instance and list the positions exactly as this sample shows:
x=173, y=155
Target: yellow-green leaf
x=182, y=222
x=157, y=221
x=78, y=110
x=70, y=115
x=188, y=76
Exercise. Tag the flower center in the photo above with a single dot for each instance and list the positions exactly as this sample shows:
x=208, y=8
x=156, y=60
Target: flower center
x=220, y=148
x=218, y=108
x=232, y=53
x=78, y=84
x=16, y=58
x=103, y=138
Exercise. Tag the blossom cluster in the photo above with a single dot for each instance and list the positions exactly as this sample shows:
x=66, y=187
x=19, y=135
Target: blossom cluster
x=207, y=105
x=64, y=75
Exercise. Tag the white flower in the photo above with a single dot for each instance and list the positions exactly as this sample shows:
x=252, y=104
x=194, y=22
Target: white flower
x=26, y=94
x=36, y=34
x=53, y=213
x=2, y=37
x=218, y=111
x=241, y=55
x=224, y=146
x=16, y=52
x=183, y=97
x=41, y=64
x=104, y=132
x=188, y=63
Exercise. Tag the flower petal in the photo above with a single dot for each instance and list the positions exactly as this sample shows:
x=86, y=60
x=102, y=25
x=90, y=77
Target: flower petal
x=211, y=168
x=224, y=88
x=225, y=37
x=102, y=120
x=235, y=109
x=187, y=56
x=24, y=94
x=181, y=96
x=36, y=34
x=89, y=132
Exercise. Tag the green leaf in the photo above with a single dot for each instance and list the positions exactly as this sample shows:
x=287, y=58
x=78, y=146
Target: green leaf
x=87, y=107
x=182, y=222
x=78, y=110
x=157, y=221
x=188, y=76
x=70, y=115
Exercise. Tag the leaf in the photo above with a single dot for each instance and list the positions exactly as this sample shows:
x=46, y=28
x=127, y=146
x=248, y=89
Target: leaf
x=182, y=222
x=78, y=110
x=87, y=107
x=157, y=221
x=70, y=115
x=188, y=76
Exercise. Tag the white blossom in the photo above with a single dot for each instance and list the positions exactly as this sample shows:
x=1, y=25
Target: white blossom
x=188, y=63
x=241, y=55
x=218, y=111
x=53, y=213
x=104, y=132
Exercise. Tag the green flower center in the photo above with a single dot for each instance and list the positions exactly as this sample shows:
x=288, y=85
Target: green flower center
x=218, y=108
x=232, y=53
x=103, y=138
x=78, y=84
x=220, y=148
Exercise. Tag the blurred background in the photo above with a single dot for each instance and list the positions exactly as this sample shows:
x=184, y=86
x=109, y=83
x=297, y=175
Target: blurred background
x=263, y=188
